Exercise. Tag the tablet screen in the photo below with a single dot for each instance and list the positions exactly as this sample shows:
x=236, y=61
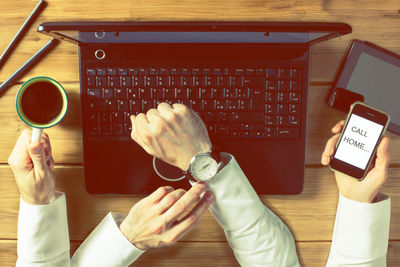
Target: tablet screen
x=379, y=82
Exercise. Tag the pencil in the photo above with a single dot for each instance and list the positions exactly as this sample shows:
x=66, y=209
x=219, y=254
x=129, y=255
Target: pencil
x=32, y=61
x=35, y=13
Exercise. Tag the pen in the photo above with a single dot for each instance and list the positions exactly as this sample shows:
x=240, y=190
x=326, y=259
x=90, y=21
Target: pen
x=35, y=13
x=32, y=61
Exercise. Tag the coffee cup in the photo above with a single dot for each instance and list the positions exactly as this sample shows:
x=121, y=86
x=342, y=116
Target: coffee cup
x=41, y=102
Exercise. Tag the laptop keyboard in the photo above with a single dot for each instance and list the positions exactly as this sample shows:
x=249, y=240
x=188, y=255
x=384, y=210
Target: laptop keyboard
x=236, y=103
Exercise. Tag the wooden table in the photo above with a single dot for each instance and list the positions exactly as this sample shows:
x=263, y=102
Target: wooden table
x=309, y=215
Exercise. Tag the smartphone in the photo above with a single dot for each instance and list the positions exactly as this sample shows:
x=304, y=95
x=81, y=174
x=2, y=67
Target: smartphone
x=361, y=134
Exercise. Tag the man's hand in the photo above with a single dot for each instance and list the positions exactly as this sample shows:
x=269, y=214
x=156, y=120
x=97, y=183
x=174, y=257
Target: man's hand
x=173, y=134
x=32, y=165
x=156, y=221
x=366, y=190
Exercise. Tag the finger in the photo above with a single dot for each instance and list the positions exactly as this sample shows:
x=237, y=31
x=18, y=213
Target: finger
x=185, y=203
x=162, y=107
x=160, y=193
x=19, y=156
x=153, y=115
x=179, y=107
x=329, y=149
x=45, y=140
x=38, y=157
x=191, y=219
x=137, y=127
x=382, y=155
x=169, y=200
x=338, y=127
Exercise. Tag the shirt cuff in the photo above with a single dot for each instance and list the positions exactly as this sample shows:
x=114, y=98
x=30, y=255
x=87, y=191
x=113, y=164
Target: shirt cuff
x=106, y=245
x=235, y=203
x=43, y=230
x=362, y=229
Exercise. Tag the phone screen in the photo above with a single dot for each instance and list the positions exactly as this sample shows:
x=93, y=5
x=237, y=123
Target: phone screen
x=358, y=141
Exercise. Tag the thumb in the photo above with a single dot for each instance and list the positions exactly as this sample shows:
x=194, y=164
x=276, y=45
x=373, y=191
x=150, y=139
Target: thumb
x=38, y=156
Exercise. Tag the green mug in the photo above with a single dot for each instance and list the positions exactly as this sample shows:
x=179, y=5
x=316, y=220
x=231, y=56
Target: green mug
x=41, y=102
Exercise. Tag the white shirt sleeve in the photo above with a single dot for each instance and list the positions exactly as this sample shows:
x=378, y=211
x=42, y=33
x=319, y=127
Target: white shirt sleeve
x=43, y=238
x=256, y=235
x=361, y=234
x=106, y=246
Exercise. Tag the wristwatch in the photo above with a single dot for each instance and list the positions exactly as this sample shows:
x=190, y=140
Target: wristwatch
x=204, y=166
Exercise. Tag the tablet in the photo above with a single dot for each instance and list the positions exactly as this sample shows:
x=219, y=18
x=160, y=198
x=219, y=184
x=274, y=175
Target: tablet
x=370, y=74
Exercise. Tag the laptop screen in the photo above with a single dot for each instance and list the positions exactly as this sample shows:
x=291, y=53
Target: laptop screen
x=194, y=32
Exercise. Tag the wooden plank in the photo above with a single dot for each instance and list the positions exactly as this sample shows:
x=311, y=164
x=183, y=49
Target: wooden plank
x=66, y=137
x=206, y=254
x=302, y=213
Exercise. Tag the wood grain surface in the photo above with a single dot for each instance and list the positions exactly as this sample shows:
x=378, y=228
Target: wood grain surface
x=310, y=215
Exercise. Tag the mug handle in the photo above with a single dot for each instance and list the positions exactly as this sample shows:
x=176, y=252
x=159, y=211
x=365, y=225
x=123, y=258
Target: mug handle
x=36, y=135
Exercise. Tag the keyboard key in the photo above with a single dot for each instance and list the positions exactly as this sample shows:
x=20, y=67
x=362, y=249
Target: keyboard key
x=133, y=71
x=283, y=73
x=295, y=97
x=283, y=85
x=294, y=109
x=196, y=71
x=132, y=93
x=270, y=120
x=221, y=130
x=153, y=71
x=118, y=129
x=124, y=81
x=294, y=120
x=282, y=121
x=282, y=108
x=254, y=81
x=122, y=71
x=96, y=105
x=251, y=117
x=105, y=129
x=282, y=97
x=91, y=72
x=111, y=71
x=271, y=73
x=260, y=71
x=272, y=85
x=94, y=129
x=110, y=104
x=101, y=81
x=270, y=109
x=108, y=93
x=270, y=132
x=295, y=73
x=105, y=117
x=249, y=72
x=94, y=93
x=93, y=117
x=90, y=81
x=295, y=86
x=123, y=105
x=135, y=106
x=128, y=128
x=287, y=132
x=147, y=105
x=143, y=71
x=113, y=81
x=120, y=93
x=117, y=117
x=101, y=71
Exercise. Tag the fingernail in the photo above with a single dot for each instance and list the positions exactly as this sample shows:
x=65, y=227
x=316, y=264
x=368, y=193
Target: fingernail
x=209, y=196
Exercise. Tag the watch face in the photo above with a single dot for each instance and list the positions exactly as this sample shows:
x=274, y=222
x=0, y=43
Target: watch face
x=204, y=168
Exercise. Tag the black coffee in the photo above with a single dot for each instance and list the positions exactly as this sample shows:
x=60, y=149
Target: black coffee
x=41, y=102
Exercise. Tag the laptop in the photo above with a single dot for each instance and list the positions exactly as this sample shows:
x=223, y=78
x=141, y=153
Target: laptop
x=248, y=81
